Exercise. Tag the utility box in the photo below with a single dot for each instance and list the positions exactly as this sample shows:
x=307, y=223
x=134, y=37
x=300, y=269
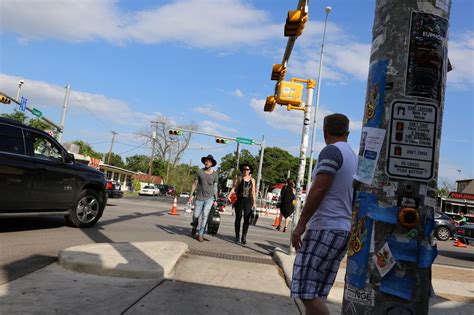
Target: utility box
x=290, y=93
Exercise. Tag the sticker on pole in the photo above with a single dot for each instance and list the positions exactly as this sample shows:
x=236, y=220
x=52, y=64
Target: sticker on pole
x=412, y=140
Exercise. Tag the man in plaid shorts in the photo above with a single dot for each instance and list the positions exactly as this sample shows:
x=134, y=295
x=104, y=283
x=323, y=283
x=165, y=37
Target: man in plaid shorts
x=326, y=218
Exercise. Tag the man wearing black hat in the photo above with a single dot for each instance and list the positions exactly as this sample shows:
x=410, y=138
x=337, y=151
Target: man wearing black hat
x=205, y=186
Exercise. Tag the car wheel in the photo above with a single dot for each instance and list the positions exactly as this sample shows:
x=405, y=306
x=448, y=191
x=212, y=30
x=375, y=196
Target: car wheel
x=88, y=209
x=443, y=233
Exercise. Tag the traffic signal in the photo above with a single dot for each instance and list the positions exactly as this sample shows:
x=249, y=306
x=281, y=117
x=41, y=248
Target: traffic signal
x=278, y=72
x=295, y=22
x=222, y=141
x=175, y=132
x=269, y=104
x=4, y=99
x=290, y=93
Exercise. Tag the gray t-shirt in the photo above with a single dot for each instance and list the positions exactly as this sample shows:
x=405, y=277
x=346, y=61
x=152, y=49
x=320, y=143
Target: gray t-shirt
x=207, y=184
x=335, y=211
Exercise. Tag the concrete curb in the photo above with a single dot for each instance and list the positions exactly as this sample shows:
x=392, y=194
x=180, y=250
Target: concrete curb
x=139, y=260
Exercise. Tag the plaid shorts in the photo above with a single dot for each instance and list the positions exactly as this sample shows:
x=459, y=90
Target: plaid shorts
x=317, y=262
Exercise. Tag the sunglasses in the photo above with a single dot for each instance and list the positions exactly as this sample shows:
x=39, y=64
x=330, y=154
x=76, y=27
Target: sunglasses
x=246, y=169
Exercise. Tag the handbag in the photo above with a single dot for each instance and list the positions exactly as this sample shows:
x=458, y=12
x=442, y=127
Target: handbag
x=233, y=198
x=254, y=216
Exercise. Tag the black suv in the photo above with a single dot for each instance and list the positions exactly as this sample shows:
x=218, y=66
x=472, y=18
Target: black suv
x=38, y=176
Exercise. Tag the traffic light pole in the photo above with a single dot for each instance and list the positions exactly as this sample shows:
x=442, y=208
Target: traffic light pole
x=58, y=128
x=260, y=164
x=303, y=148
x=63, y=114
x=391, y=250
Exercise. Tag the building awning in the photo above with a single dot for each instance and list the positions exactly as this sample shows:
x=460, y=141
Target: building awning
x=455, y=204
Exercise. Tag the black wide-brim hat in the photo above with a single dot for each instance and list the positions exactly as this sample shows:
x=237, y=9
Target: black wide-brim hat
x=209, y=157
x=246, y=164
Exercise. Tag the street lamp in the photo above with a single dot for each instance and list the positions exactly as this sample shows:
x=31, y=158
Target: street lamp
x=313, y=136
x=20, y=83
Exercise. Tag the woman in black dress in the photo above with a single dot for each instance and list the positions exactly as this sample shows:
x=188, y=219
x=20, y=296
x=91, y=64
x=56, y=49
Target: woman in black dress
x=287, y=205
x=244, y=187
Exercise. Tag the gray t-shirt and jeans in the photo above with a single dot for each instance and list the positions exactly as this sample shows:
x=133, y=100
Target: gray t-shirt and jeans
x=206, y=187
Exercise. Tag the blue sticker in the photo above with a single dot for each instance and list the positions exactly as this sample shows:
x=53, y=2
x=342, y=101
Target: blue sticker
x=371, y=155
x=375, y=94
x=359, y=243
x=387, y=215
x=427, y=255
x=404, y=249
x=396, y=285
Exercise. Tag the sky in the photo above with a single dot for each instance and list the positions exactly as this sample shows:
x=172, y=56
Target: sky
x=208, y=63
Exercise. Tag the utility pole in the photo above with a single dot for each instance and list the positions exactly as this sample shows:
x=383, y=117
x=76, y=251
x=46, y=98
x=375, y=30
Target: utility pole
x=154, y=127
x=313, y=134
x=260, y=164
x=303, y=147
x=289, y=174
x=63, y=114
x=111, y=146
x=237, y=159
x=20, y=83
x=396, y=180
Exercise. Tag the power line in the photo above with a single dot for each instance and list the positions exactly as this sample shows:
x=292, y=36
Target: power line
x=136, y=148
x=87, y=109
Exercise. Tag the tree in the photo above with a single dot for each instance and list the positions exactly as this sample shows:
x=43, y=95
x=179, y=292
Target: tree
x=227, y=169
x=276, y=164
x=116, y=160
x=181, y=177
x=137, y=163
x=86, y=149
x=16, y=115
x=40, y=124
x=168, y=147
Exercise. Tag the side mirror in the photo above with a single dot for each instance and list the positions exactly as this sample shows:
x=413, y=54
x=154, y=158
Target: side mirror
x=69, y=158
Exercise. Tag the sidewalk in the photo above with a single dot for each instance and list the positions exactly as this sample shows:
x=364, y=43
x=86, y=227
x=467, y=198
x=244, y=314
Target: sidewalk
x=168, y=278
x=149, y=278
x=454, y=286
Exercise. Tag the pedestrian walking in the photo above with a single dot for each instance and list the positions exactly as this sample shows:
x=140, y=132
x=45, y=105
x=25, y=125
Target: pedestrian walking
x=244, y=187
x=326, y=218
x=287, y=203
x=205, y=185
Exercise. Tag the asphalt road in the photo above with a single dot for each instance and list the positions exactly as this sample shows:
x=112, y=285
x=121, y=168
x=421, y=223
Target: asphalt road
x=27, y=244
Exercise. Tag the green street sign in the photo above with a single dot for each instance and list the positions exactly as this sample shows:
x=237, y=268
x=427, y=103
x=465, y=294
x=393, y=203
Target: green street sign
x=37, y=112
x=244, y=140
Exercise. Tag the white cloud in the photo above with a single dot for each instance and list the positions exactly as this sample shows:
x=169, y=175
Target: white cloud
x=238, y=93
x=293, y=120
x=211, y=112
x=461, y=54
x=42, y=94
x=215, y=128
x=198, y=23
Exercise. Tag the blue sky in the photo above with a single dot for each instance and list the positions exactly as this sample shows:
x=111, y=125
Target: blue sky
x=207, y=62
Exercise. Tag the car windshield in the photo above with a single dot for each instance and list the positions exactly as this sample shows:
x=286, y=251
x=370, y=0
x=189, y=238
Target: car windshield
x=148, y=187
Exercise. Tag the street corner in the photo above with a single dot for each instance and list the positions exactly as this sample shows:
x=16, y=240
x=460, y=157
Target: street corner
x=285, y=262
x=139, y=260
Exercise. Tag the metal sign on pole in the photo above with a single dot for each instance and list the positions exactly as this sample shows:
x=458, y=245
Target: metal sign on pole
x=23, y=102
x=36, y=112
x=244, y=141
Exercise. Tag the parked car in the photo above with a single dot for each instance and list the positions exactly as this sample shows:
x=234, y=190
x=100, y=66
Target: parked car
x=114, y=189
x=171, y=191
x=444, y=226
x=149, y=190
x=38, y=176
x=184, y=195
x=465, y=233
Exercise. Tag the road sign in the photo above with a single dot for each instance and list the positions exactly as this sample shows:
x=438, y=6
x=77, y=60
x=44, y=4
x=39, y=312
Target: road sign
x=412, y=140
x=244, y=140
x=23, y=102
x=37, y=112
x=229, y=183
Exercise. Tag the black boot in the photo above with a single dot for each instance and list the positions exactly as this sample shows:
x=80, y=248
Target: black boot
x=278, y=228
x=244, y=239
x=237, y=238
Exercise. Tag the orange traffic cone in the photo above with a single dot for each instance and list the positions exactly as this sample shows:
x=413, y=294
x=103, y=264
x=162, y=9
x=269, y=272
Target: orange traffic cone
x=173, y=210
x=459, y=244
x=277, y=219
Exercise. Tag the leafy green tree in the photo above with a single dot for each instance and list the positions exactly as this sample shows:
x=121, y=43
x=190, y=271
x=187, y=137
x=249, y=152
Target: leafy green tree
x=16, y=115
x=40, y=124
x=227, y=169
x=115, y=160
x=86, y=149
x=137, y=163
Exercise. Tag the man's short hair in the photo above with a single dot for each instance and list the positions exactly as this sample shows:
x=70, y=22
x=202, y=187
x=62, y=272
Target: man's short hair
x=336, y=125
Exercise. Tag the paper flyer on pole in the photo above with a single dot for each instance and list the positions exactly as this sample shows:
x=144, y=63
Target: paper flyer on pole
x=369, y=153
x=384, y=260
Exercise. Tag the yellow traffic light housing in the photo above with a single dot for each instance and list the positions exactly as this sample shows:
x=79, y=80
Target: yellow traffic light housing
x=295, y=23
x=278, y=72
x=269, y=104
x=4, y=99
x=222, y=141
x=175, y=132
x=290, y=93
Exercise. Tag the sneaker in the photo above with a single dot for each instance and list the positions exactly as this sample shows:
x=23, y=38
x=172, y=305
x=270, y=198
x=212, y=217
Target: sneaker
x=201, y=238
